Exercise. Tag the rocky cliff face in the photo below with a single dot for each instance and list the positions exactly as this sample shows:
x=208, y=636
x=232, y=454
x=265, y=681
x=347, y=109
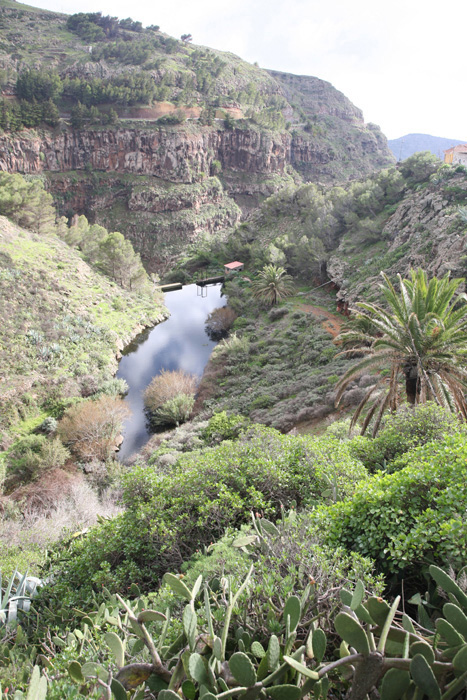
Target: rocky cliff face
x=160, y=217
x=181, y=155
x=175, y=155
x=427, y=230
x=317, y=97
x=154, y=183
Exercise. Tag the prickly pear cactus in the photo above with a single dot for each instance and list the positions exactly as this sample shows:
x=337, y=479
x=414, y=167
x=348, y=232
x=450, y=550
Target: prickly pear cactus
x=382, y=653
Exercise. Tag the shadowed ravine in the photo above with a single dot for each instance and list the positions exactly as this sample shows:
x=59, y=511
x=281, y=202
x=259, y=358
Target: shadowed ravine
x=178, y=343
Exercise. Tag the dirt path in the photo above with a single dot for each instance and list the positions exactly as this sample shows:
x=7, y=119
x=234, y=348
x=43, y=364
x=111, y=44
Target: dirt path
x=332, y=323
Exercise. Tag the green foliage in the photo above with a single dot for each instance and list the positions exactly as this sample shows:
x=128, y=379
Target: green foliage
x=404, y=430
x=302, y=223
x=174, y=411
x=288, y=359
x=419, y=167
x=113, y=387
x=223, y=427
x=118, y=260
x=172, y=119
x=160, y=528
x=164, y=652
x=404, y=519
x=93, y=26
x=202, y=640
x=39, y=85
x=126, y=89
x=16, y=596
x=48, y=425
x=290, y=561
x=272, y=285
x=32, y=455
x=111, y=253
x=26, y=202
x=421, y=338
x=29, y=114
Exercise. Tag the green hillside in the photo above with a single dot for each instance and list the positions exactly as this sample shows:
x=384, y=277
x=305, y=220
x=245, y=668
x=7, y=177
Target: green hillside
x=62, y=323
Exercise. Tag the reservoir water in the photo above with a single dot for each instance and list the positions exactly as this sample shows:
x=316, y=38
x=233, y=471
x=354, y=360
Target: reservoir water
x=180, y=342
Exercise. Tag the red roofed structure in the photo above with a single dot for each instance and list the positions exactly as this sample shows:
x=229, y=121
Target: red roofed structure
x=233, y=267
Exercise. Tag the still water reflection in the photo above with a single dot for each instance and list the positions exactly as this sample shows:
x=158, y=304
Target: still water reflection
x=178, y=343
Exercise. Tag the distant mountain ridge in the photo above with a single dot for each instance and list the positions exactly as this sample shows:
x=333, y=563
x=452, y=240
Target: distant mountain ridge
x=407, y=145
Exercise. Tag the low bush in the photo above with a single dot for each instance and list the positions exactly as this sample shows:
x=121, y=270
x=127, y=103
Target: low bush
x=90, y=428
x=26, y=533
x=48, y=425
x=219, y=322
x=113, y=387
x=33, y=454
x=413, y=516
x=170, y=515
x=278, y=312
x=286, y=558
x=167, y=385
x=174, y=411
x=223, y=427
x=404, y=430
x=235, y=346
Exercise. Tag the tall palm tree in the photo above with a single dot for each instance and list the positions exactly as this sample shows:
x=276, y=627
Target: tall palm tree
x=421, y=338
x=272, y=285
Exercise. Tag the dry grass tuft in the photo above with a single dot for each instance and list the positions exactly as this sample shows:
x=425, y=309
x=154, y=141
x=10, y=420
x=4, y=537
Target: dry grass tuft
x=42, y=526
x=167, y=385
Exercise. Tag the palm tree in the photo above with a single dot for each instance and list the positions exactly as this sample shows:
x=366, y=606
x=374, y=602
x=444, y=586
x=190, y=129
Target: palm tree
x=421, y=338
x=272, y=285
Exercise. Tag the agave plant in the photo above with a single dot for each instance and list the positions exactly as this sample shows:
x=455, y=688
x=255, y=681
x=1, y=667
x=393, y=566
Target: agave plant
x=17, y=596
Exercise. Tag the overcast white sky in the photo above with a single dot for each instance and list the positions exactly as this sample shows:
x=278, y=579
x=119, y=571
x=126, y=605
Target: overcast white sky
x=404, y=63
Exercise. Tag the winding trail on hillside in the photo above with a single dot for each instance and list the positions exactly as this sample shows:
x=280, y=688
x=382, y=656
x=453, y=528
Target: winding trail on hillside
x=332, y=323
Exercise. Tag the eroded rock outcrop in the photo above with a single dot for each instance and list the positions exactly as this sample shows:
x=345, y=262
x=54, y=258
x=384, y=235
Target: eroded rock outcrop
x=426, y=230
x=178, y=156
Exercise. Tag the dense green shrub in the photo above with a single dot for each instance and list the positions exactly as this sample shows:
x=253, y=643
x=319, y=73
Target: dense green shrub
x=402, y=431
x=223, y=427
x=419, y=166
x=171, y=515
x=412, y=516
x=26, y=202
x=39, y=85
x=33, y=454
x=174, y=411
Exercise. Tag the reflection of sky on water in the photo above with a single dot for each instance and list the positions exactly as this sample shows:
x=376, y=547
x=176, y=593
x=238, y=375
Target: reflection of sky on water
x=178, y=343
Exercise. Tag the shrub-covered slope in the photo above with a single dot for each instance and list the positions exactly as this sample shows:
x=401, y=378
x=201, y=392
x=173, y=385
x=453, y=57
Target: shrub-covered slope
x=60, y=321
x=409, y=215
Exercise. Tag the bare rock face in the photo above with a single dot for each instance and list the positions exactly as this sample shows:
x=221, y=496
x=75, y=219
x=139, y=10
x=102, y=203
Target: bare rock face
x=182, y=155
x=317, y=96
x=178, y=156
